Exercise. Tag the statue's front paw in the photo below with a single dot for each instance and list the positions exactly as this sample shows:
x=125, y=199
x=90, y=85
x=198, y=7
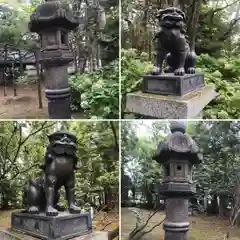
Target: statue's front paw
x=157, y=71
x=33, y=210
x=74, y=209
x=179, y=72
x=51, y=211
x=168, y=69
x=59, y=208
x=191, y=70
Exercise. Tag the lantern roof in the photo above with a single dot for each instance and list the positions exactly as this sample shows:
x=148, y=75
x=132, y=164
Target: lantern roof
x=52, y=14
x=178, y=146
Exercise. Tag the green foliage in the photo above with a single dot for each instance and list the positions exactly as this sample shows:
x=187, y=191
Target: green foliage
x=15, y=24
x=212, y=37
x=109, y=179
x=133, y=66
x=224, y=74
x=21, y=154
x=137, y=152
x=11, y=30
x=97, y=93
x=219, y=169
x=96, y=171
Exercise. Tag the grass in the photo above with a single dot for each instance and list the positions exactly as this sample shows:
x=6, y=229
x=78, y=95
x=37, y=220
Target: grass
x=201, y=227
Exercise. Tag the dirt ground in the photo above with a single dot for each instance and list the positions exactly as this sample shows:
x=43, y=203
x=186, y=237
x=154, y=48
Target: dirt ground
x=101, y=222
x=201, y=227
x=26, y=104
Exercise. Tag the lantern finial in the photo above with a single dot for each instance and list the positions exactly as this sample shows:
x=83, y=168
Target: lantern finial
x=178, y=126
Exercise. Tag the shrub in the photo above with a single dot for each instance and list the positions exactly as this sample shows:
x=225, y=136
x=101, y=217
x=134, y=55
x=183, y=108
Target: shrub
x=97, y=93
x=224, y=74
x=133, y=66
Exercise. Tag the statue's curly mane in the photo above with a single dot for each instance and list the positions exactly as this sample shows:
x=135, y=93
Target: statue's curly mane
x=171, y=24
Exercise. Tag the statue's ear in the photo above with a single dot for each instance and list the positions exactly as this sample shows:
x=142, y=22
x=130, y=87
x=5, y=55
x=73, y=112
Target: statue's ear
x=159, y=14
x=49, y=137
x=42, y=166
x=184, y=16
x=181, y=13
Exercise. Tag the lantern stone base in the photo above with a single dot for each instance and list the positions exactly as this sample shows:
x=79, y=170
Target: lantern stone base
x=169, y=107
x=64, y=226
x=58, y=103
x=175, y=235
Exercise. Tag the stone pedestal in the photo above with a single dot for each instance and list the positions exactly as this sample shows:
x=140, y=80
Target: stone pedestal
x=9, y=235
x=170, y=107
x=170, y=84
x=64, y=226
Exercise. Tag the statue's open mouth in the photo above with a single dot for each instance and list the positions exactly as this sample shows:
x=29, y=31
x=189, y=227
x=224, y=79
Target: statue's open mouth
x=172, y=17
x=61, y=147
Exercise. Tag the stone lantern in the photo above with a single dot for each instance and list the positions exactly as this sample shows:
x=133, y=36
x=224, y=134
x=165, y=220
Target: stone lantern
x=177, y=155
x=53, y=21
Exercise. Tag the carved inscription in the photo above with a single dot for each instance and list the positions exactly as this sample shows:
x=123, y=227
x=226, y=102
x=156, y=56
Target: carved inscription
x=192, y=83
x=161, y=86
x=32, y=225
x=76, y=225
x=199, y=81
x=188, y=85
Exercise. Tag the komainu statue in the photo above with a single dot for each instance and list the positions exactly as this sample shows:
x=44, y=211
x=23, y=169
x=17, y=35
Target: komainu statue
x=42, y=194
x=172, y=44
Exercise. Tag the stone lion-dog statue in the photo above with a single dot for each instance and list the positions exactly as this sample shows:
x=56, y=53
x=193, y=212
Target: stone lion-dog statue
x=172, y=44
x=42, y=194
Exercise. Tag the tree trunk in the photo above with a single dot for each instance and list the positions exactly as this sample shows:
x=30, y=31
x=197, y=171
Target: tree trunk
x=235, y=214
x=222, y=206
x=213, y=207
x=113, y=234
x=144, y=27
x=5, y=204
x=157, y=202
x=149, y=198
x=193, y=23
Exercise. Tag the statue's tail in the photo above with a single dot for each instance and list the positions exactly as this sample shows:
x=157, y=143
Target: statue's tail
x=24, y=198
x=32, y=181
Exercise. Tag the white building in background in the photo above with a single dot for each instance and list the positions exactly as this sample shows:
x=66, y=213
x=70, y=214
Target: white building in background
x=26, y=1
